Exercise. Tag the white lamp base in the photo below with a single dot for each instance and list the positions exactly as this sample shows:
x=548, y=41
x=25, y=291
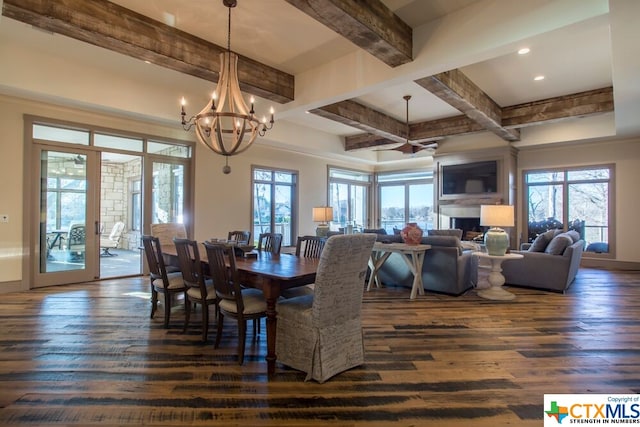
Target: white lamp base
x=496, y=240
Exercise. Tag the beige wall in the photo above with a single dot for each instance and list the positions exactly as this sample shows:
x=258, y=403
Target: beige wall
x=222, y=202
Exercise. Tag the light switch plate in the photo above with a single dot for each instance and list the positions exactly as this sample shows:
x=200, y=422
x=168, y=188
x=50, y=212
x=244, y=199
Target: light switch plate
x=4, y=218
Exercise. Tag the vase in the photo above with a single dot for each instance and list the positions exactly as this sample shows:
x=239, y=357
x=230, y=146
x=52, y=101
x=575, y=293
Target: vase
x=411, y=234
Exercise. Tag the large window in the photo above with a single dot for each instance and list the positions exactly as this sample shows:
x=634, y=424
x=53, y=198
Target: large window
x=405, y=197
x=349, y=195
x=571, y=199
x=273, y=203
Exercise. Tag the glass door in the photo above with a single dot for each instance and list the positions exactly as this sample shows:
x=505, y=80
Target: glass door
x=67, y=225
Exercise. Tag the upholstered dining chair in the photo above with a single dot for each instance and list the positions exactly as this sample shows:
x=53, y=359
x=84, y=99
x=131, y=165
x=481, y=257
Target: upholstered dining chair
x=310, y=246
x=243, y=236
x=166, y=232
x=234, y=301
x=199, y=288
x=321, y=333
x=168, y=284
x=270, y=242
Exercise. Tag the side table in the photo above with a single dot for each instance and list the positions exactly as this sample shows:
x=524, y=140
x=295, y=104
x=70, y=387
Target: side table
x=496, y=279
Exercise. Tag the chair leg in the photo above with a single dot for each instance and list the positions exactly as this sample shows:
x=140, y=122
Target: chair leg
x=187, y=314
x=154, y=301
x=219, y=330
x=205, y=321
x=167, y=308
x=242, y=335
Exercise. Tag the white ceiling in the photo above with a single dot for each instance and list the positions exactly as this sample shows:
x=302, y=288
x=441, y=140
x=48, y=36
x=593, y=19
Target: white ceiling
x=573, y=58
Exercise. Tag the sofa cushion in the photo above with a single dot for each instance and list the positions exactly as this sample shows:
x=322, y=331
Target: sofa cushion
x=455, y=232
x=375, y=230
x=558, y=244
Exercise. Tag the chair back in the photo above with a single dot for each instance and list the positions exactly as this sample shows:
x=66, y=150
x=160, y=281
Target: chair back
x=166, y=232
x=190, y=265
x=116, y=231
x=155, y=260
x=76, y=238
x=310, y=246
x=340, y=279
x=225, y=278
x=270, y=242
x=243, y=236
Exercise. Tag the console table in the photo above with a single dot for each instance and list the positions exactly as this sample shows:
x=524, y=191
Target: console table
x=382, y=251
x=496, y=279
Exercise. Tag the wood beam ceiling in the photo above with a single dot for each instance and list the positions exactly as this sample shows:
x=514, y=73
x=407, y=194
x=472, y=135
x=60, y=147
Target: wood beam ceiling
x=116, y=28
x=370, y=25
x=517, y=116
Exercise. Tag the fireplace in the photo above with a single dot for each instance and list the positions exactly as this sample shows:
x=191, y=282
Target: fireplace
x=470, y=226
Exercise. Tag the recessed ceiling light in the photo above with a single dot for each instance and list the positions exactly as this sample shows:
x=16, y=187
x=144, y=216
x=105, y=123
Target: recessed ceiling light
x=524, y=51
x=538, y=78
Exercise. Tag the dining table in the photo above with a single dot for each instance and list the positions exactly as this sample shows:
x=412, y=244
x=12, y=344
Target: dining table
x=271, y=273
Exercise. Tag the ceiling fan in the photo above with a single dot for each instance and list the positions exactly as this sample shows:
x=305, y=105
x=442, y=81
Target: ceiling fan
x=412, y=147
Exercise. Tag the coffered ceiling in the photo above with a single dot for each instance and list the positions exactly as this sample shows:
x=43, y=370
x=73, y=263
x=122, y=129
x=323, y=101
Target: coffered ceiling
x=343, y=67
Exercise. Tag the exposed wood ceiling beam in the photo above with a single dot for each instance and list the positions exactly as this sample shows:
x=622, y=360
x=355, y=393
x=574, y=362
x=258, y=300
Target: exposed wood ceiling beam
x=457, y=90
x=562, y=107
x=517, y=116
x=367, y=119
x=370, y=25
x=113, y=27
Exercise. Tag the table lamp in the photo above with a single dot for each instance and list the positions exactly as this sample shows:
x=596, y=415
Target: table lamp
x=496, y=239
x=322, y=214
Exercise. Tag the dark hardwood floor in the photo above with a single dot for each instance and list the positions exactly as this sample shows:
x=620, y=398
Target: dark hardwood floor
x=88, y=354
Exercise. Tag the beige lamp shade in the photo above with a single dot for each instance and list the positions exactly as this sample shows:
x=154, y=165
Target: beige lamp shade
x=496, y=216
x=323, y=214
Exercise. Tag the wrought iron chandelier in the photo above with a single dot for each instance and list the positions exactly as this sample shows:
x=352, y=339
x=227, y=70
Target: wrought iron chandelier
x=226, y=125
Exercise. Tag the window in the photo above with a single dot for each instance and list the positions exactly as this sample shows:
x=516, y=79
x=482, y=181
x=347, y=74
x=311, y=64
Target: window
x=405, y=197
x=136, y=205
x=349, y=195
x=273, y=201
x=571, y=199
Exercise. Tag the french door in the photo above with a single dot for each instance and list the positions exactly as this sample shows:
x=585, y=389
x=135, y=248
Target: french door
x=65, y=244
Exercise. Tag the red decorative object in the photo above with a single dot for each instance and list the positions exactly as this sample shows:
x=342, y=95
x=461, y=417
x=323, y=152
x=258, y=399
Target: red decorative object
x=411, y=234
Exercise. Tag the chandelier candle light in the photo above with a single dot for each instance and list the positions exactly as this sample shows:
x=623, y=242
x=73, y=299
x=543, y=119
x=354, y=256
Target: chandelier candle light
x=496, y=239
x=322, y=214
x=226, y=125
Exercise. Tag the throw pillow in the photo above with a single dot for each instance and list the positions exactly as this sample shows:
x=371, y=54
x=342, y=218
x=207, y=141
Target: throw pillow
x=539, y=244
x=558, y=244
x=575, y=236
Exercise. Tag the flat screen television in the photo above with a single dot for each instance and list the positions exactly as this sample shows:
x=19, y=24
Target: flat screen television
x=470, y=178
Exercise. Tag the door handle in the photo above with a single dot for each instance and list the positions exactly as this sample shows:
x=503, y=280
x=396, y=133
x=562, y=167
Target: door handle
x=97, y=228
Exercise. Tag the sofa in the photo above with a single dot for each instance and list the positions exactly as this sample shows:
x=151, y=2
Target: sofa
x=551, y=262
x=449, y=267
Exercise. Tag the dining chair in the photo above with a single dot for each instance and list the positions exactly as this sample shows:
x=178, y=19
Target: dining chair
x=168, y=284
x=310, y=246
x=234, y=301
x=199, y=288
x=239, y=236
x=270, y=242
x=321, y=333
x=306, y=247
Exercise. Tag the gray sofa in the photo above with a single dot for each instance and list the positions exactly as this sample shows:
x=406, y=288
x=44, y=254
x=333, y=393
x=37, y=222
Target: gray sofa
x=551, y=262
x=447, y=268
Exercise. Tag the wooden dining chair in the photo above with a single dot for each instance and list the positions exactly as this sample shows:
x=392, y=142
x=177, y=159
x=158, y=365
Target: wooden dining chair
x=199, y=288
x=270, y=242
x=240, y=236
x=234, y=301
x=321, y=333
x=168, y=284
x=310, y=246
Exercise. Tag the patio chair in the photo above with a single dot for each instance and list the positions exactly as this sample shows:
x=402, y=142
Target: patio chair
x=76, y=242
x=112, y=241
